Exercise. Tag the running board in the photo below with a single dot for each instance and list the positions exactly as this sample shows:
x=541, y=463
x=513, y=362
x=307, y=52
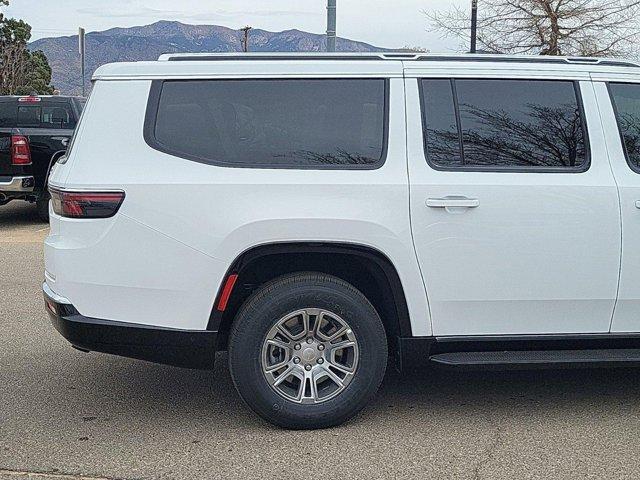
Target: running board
x=539, y=358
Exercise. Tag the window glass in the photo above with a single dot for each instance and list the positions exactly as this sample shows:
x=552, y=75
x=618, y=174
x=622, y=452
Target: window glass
x=8, y=112
x=441, y=133
x=46, y=115
x=626, y=98
x=528, y=124
x=274, y=123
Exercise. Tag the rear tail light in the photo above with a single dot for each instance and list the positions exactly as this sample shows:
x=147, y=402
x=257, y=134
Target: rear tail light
x=85, y=204
x=20, y=151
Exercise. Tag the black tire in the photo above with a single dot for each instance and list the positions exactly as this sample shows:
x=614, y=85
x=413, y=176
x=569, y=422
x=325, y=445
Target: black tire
x=42, y=205
x=277, y=299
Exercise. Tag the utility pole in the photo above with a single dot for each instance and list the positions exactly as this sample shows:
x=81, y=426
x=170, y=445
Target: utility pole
x=331, y=25
x=81, y=50
x=474, y=24
x=245, y=42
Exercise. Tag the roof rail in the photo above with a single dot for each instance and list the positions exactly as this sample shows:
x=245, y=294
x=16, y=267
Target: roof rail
x=611, y=62
x=185, y=57
x=389, y=55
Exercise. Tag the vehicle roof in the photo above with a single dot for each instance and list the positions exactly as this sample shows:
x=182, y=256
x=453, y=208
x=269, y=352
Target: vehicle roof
x=189, y=65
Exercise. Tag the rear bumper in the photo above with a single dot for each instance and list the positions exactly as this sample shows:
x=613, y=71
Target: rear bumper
x=181, y=348
x=18, y=184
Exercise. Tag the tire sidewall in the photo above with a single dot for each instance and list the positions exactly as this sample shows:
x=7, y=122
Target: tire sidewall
x=259, y=316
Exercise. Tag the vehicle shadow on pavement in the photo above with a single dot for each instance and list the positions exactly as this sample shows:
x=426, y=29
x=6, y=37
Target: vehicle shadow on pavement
x=163, y=392
x=19, y=214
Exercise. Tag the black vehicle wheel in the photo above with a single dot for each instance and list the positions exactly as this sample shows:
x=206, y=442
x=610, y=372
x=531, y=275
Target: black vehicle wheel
x=307, y=351
x=42, y=205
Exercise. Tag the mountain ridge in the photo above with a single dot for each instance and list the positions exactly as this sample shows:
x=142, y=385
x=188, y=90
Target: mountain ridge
x=147, y=42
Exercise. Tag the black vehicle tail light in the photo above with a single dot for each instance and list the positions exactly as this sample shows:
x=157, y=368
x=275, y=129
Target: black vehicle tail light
x=85, y=204
x=20, y=151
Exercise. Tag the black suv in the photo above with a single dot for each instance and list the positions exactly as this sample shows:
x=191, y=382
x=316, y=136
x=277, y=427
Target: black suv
x=34, y=133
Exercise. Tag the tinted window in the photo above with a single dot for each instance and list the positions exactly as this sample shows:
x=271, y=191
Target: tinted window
x=8, y=112
x=626, y=99
x=278, y=123
x=46, y=115
x=441, y=135
x=525, y=124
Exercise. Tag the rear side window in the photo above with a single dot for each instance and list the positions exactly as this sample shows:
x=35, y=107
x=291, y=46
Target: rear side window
x=497, y=125
x=271, y=123
x=56, y=115
x=626, y=102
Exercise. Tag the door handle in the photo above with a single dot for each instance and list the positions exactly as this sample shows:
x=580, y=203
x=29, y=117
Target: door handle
x=453, y=202
x=637, y=203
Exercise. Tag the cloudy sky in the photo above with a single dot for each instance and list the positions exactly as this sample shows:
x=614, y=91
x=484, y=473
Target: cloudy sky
x=386, y=23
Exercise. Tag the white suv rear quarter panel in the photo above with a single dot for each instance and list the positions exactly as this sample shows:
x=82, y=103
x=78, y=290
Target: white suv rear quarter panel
x=161, y=260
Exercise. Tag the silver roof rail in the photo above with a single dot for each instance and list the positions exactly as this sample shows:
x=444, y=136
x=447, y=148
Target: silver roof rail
x=426, y=57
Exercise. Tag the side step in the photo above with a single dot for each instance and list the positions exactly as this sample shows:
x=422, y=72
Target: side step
x=539, y=358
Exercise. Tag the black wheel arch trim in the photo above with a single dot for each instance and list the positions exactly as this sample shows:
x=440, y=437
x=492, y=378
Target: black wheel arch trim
x=365, y=252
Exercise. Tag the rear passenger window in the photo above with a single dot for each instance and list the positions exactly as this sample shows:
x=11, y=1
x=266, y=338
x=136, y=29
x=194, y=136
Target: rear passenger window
x=531, y=125
x=626, y=102
x=271, y=123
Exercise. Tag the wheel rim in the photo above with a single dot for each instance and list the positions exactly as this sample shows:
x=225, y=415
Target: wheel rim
x=310, y=356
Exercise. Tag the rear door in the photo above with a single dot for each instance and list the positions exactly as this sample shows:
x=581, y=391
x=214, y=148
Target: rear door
x=514, y=208
x=619, y=101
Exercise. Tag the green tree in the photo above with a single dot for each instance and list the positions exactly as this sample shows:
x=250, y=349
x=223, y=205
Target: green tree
x=21, y=71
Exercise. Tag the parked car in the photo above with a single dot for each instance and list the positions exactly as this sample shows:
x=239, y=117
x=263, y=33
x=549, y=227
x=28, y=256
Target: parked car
x=34, y=133
x=314, y=215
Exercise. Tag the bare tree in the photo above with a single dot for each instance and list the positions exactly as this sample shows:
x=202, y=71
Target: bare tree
x=548, y=27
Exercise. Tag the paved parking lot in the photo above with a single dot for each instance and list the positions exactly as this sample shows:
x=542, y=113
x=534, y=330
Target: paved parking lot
x=68, y=415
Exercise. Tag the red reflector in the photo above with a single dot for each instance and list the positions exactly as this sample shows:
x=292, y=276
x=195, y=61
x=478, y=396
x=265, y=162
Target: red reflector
x=51, y=306
x=85, y=204
x=226, y=292
x=29, y=99
x=20, y=151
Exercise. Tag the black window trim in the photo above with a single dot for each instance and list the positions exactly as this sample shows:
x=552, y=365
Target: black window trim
x=153, y=105
x=617, y=117
x=490, y=169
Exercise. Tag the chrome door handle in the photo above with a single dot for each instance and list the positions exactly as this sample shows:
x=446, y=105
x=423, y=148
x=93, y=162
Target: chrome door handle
x=453, y=202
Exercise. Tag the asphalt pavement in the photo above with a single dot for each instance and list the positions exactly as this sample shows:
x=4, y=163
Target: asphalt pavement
x=70, y=415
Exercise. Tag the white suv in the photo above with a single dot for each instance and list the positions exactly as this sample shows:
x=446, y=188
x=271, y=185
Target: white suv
x=314, y=215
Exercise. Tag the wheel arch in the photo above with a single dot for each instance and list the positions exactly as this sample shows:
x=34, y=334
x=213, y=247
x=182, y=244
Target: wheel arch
x=367, y=268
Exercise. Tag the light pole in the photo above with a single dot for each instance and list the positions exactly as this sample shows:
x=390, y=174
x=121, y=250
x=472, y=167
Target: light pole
x=331, y=25
x=245, y=41
x=81, y=50
x=474, y=24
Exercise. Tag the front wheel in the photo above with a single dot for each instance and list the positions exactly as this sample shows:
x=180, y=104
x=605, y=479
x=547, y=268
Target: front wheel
x=307, y=350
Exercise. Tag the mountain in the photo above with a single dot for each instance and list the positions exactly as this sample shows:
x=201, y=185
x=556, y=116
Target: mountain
x=149, y=41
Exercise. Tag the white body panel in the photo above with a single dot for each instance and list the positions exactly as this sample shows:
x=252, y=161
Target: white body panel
x=540, y=255
x=183, y=223
x=627, y=311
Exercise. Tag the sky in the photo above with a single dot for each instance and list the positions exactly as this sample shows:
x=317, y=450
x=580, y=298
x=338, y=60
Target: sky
x=384, y=23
